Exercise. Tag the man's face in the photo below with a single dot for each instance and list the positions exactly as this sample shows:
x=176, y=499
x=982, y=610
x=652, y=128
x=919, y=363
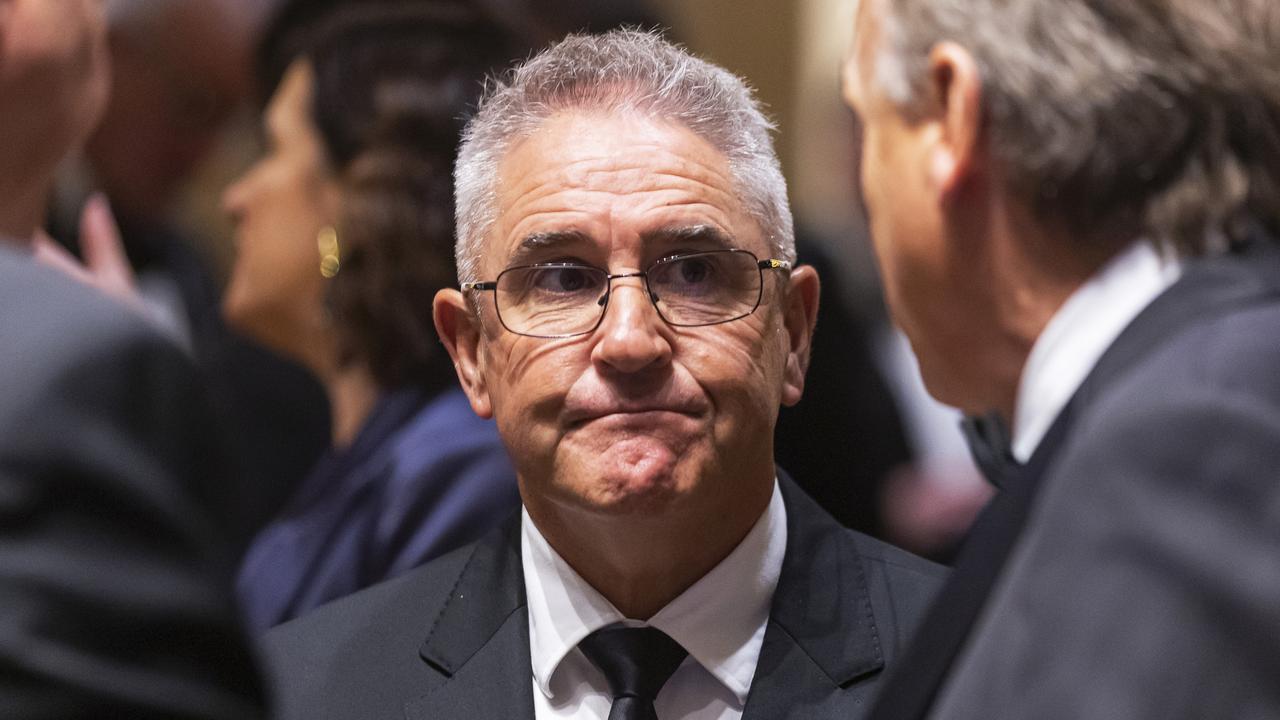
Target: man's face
x=53, y=75
x=636, y=416
x=902, y=204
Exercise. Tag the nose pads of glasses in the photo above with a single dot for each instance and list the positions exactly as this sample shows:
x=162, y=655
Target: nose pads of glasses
x=605, y=299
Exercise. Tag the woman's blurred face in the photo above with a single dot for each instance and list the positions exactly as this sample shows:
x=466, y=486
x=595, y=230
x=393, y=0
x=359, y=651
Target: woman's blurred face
x=279, y=207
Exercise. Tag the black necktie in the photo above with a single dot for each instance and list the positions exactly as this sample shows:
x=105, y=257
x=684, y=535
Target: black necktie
x=637, y=662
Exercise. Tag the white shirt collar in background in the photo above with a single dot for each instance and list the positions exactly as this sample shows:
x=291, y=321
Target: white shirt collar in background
x=1080, y=332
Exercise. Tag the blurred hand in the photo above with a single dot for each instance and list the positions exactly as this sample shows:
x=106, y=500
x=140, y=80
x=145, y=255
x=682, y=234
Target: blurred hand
x=106, y=266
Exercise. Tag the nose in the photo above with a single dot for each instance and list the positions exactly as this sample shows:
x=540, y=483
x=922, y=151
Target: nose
x=632, y=336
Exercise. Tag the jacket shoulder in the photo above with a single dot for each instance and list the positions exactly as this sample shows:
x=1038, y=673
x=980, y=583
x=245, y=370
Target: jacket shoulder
x=898, y=584
x=362, y=651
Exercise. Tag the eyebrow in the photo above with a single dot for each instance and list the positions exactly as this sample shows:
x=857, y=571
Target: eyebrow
x=536, y=245
x=700, y=236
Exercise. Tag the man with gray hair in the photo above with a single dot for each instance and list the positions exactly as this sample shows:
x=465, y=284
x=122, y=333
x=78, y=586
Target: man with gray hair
x=1076, y=206
x=631, y=315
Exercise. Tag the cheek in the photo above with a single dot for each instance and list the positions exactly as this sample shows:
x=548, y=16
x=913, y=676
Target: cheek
x=528, y=379
x=276, y=277
x=899, y=219
x=741, y=370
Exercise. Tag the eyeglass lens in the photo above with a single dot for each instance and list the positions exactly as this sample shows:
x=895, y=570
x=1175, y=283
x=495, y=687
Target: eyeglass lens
x=564, y=299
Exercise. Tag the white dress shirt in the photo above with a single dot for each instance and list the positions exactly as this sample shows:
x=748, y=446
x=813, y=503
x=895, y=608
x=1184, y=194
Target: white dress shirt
x=1080, y=332
x=720, y=620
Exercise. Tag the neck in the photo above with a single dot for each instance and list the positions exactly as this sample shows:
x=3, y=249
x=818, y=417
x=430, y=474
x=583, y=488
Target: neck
x=640, y=563
x=352, y=396
x=351, y=389
x=1029, y=271
x=22, y=208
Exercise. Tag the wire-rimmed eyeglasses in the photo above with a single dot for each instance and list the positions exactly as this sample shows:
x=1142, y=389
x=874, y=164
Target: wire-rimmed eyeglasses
x=565, y=299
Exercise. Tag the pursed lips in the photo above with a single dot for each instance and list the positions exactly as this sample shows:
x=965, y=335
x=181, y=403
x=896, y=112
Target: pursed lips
x=581, y=416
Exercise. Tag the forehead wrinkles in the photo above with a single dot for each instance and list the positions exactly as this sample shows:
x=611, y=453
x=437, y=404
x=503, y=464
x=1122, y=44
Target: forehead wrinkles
x=594, y=169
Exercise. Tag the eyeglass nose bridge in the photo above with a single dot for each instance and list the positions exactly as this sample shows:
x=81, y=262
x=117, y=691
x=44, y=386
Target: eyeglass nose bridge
x=603, y=302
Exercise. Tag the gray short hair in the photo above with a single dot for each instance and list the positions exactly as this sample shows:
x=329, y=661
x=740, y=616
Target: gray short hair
x=1118, y=117
x=623, y=70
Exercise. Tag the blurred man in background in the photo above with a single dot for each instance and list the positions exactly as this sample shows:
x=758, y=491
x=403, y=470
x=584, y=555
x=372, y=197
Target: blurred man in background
x=113, y=567
x=1076, y=205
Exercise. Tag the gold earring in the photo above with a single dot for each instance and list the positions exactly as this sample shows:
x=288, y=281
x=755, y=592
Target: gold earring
x=330, y=252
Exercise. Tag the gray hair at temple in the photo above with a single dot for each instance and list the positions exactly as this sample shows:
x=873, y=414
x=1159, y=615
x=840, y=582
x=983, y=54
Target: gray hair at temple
x=620, y=71
x=1119, y=118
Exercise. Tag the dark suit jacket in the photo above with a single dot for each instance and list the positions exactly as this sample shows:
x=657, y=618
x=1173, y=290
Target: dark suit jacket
x=1144, y=582
x=451, y=640
x=114, y=588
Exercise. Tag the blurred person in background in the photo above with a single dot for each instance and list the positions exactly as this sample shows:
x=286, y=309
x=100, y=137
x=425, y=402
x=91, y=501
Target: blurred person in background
x=179, y=69
x=344, y=235
x=114, y=555
x=1076, y=208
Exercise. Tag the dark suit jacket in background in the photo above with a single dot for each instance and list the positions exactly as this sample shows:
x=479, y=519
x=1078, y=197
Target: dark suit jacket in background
x=114, y=582
x=450, y=641
x=273, y=412
x=1146, y=584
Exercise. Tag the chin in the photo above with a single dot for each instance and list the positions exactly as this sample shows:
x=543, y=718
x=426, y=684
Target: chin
x=636, y=496
x=636, y=481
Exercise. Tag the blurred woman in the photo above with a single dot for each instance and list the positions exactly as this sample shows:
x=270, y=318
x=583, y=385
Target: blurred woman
x=344, y=235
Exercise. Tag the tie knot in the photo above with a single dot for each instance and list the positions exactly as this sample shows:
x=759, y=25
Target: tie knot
x=636, y=662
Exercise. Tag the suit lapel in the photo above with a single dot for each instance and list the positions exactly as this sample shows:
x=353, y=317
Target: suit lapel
x=1208, y=287
x=822, y=633
x=480, y=641
x=910, y=688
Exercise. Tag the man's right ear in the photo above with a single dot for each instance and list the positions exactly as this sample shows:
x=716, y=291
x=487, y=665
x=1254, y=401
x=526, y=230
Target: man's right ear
x=460, y=330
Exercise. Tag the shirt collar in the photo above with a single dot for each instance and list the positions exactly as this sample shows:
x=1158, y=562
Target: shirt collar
x=1080, y=332
x=720, y=619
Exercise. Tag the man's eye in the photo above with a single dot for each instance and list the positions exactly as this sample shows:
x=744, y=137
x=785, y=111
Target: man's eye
x=566, y=280
x=695, y=271
x=688, y=275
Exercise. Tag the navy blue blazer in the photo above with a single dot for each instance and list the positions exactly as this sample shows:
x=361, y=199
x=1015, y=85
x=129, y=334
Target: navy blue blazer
x=425, y=475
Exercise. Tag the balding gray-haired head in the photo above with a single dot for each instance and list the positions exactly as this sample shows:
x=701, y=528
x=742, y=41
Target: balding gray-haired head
x=1115, y=117
x=624, y=71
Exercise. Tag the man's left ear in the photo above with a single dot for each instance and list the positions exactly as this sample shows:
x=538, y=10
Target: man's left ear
x=800, y=316
x=955, y=82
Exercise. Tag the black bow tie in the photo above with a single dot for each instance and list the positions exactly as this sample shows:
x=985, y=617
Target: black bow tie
x=989, y=443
